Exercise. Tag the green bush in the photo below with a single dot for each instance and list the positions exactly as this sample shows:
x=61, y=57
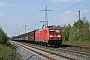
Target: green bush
x=78, y=33
x=8, y=53
x=3, y=37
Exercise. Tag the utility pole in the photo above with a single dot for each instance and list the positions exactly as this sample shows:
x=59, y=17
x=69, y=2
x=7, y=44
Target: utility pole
x=46, y=21
x=79, y=22
x=25, y=27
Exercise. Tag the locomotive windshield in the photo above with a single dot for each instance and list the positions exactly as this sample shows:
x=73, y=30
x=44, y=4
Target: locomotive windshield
x=54, y=31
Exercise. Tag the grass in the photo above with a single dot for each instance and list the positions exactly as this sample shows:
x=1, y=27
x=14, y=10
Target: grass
x=8, y=53
x=83, y=42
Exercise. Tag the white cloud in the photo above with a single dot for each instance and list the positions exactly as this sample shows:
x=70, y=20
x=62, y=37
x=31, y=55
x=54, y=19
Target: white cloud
x=86, y=11
x=4, y=4
x=67, y=0
x=68, y=17
x=1, y=14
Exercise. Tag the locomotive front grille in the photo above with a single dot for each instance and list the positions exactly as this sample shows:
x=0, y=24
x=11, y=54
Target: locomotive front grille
x=55, y=42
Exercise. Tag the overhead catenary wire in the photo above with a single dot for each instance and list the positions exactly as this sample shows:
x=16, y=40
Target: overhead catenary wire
x=66, y=9
x=35, y=10
x=54, y=9
x=31, y=8
x=56, y=6
x=28, y=12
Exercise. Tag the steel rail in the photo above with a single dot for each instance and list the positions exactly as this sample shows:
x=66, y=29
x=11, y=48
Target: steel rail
x=25, y=46
x=75, y=51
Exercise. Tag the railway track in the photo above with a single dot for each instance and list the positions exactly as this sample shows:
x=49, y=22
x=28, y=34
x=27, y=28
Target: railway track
x=47, y=54
x=79, y=45
x=76, y=51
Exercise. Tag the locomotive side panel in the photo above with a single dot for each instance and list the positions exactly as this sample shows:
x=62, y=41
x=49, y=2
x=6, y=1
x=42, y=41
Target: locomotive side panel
x=46, y=34
x=40, y=36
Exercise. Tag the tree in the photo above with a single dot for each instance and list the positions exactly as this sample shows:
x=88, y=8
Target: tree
x=65, y=32
x=73, y=34
x=82, y=33
x=3, y=37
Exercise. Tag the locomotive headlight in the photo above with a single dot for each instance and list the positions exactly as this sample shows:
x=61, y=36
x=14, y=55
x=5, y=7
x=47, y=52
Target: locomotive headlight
x=58, y=36
x=50, y=36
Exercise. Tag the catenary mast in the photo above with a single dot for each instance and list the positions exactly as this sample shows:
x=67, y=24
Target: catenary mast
x=46, y=20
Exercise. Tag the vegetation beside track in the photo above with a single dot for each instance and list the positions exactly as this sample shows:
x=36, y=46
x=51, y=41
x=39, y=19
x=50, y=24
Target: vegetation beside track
x=78, y=33
x=7, y=51
x=84, y=42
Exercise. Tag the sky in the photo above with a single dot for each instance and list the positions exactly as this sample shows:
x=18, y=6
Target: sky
x=16, y=14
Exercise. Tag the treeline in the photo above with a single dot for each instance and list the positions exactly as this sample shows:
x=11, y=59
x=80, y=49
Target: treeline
x=79, y=33
x=7, y=51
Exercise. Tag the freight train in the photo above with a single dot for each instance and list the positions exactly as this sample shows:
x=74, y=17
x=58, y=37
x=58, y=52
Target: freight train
x=49, y=36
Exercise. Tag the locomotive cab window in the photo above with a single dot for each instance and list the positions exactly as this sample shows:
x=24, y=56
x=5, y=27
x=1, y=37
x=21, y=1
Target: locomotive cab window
x=57, y=31
x=54, y=31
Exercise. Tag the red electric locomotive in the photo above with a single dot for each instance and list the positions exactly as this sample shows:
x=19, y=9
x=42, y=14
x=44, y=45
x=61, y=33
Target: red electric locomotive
x=49, y=36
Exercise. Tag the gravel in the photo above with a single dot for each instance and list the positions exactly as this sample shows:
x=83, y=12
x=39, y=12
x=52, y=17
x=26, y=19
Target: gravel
x=65, y=53
x=27, y=54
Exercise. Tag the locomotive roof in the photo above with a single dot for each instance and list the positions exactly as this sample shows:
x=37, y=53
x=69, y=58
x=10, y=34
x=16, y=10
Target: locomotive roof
x=51, y=27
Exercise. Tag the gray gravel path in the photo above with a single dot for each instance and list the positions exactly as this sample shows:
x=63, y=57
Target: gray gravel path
x=27, y=54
